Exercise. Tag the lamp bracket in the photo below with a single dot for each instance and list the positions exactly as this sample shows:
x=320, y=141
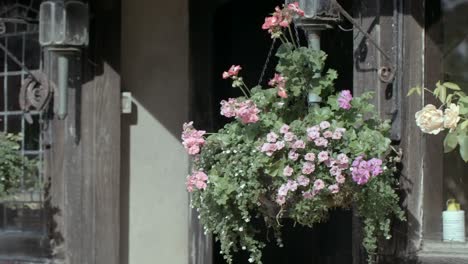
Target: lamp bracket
x=383, y=73
x=35, y=94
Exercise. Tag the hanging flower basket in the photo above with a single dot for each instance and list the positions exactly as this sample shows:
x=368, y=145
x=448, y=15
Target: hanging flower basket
x=280, y=158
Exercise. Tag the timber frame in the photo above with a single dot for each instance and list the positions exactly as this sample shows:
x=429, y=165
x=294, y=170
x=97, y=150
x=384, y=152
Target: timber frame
x=411, y=31
x=82, y=156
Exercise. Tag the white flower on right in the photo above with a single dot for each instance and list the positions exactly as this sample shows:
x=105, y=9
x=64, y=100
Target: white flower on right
x=451, y=117
x=430, y=119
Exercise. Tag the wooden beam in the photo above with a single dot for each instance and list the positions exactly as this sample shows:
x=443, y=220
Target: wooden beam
x=83, y=160
x=398, y=26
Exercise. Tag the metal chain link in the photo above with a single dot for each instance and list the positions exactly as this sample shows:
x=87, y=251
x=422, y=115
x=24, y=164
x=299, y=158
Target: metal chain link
x=267, y=61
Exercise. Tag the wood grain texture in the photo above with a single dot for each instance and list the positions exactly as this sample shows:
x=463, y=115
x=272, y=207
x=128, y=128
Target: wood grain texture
x=433, y=155
x=398, y=26
x=83, y=161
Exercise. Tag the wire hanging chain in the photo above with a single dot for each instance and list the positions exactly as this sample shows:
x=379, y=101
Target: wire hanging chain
x=267, y=62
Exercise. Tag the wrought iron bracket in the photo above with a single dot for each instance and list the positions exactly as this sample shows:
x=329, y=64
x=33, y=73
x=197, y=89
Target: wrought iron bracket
x=386, y=73
x=35, y=94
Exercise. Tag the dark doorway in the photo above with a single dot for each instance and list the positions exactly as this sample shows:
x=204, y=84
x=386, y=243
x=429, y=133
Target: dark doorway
x=224, y=33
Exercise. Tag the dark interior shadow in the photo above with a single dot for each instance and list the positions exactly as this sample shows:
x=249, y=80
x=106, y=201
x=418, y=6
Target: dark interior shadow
x=219, y=40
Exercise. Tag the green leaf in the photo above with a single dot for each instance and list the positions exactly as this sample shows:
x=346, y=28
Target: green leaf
x=413, y=90
x=452, y=86
x=463, y=109
x=464, y=125
x=449, y=99
x=442, y=92
x=463, y=141
x=450, y=142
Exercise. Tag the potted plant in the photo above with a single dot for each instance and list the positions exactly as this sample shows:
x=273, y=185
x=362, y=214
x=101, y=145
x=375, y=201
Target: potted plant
x=280, y=158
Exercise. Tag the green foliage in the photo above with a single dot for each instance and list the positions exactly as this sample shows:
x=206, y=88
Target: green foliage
x=244, y=181
x=450, y=94
x=13, y=166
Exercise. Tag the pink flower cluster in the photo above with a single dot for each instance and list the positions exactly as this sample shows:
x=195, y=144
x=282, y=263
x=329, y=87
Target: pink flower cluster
x=197, y=180
x=281, y=18
x=246, y=111
x=320, y=134
x=280, y=82
x=272, y=144
x=362, y=170
x=192, y=139
x=290, y=186
x=344, y=100
x=232, y=72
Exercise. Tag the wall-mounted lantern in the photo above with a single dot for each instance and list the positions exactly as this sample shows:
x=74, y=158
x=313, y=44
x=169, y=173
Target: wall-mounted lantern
x=63, y=32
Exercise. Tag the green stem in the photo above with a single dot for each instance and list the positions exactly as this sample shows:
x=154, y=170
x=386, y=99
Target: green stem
x=246, y=88
x=292, y=37
x=284, y=39
x=242, y=90
x=425, y=89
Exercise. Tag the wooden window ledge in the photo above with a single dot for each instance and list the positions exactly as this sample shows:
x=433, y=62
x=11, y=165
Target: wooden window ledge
x=437, y=252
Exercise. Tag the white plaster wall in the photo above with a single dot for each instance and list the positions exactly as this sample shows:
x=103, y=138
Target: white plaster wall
x=154, y=165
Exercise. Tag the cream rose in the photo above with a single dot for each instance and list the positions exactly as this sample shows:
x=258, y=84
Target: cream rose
x=451, y=117
x=430, y=119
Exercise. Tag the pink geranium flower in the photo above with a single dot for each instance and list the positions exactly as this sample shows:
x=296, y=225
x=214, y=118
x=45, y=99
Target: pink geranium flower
x=247, y=112
x=295, y=8
x=282, y=93
x=228, y=108
x=344, y=100
x=270, y=22
x=197, y=180
x=192, y=139
x=232, y=72
x=277, y=81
